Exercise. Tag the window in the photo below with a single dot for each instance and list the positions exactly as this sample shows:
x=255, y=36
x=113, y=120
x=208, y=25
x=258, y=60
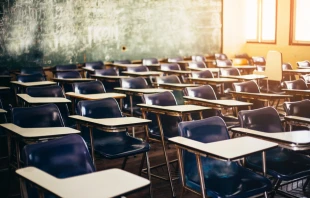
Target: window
x=261, y=21
x=300, y=23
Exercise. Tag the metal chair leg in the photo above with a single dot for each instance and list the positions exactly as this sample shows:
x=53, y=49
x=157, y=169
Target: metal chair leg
x=142, y=163
x=149, y=172
x=306, y=184
x=124, y=163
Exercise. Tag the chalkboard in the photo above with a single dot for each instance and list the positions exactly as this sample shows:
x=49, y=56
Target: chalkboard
x=70, y=31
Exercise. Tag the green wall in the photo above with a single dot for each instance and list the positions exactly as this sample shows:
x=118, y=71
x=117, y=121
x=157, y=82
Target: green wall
x=62, y=31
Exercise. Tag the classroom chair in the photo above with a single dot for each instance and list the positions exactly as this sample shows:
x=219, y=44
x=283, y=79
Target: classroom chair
x=223, y=63
x=133, y=83
x=297, y=108
x=282, y=164
x=53, y=91
x=65, y=67
x=207, y=92
x=259, y=62
x=67, y=74
x=62, y=158
x=287, y=77
x=296, y=84
x=149, y=61
x=175, y=59
x=197, y=64
x=93, y=65
x=202, y=74
x=32, y=70
x=222, y=178
x=303, y=64
x=172, y=79
x=109, y=85
x=30, y=78
x=199, y=58
x=220, y=56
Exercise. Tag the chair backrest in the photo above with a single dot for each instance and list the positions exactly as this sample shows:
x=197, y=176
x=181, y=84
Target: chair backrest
x=287, y=77
x=175, y=59
x=306, y=78
x=4, y=71
x=274, y=66
x=286, y=66
x=298, y=108
x=240, y=61
x=247, y=86
x=163, y=99
x=30, y=78
x=223, y=63
x=229, y=72
x=203, y=74
x=304, y=63
x=259, y=60
x=220, y=56
x=95, y=65
x=265, y=119
x=69, y=74
x=198, y=64
x=46, y=91
x=296, y=84
x=138, y=69
x=104, y=108
x=149, y=61
x=243, y=55
x=47, y=115
x=170, y=66
x=125, y=61
x=65, y=67
x=133, y=83
x=106, y=72
x=199, y=58
x=92, y=87
x=168, y=79
x=32, y=70
x=63, y=157
x=205, y=92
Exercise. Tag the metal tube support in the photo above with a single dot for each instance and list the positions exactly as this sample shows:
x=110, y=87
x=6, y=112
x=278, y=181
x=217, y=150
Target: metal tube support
x=201, y=176
x=149, y=172
x=264, y=168
x=92, y=145
x=131, y=113
x=179, y=153
x=166, y=156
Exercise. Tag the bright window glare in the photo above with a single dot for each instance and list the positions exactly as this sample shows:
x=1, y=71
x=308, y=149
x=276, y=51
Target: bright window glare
x=268, y=19
x=302, y=22
x=251, y=19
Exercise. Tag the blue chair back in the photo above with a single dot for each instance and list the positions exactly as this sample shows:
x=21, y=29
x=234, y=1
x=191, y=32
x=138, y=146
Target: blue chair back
x=296, y=84
x=298, y=108
x=223, y=63
x=205, y=92
x=175, y=59
x=68, y=74
x=220, y=56
x=134, y=83
x=247, y=86
x=65, y=67
x=168, y=79
x=30, y=78
x=138, y=69
x=92, y=87
x=229, y=72
x=264, y=119
x=149, y=61
x=106, y=72
x=203, y=74
x=126, y=61
x=199, y=58
x=64, y=157
x=47, y=115
x=170, y=66
x=199, y=64
x=53, y=91
x=169, y=123
x=32, y=70
x=95, y=65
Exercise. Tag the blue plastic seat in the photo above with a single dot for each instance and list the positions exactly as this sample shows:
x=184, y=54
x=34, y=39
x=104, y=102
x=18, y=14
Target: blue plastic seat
x=65, y=67
x=119, y=69
x=67, y=74
x=199, y=64
x=207, y=92
x=220, y=56
x=170, y=66
x=30, y=78
x=175, y=59
x=133, y=83
x=62, y=158
x=32, y=70
x=149, y=61
x=202, y=74
x=222, y=178
x=92, y=87
x=109, y=85
x=106, y=72
x=199, y=58
x=53, y=91
x=93, y=65
x=296, y=84
x=282, y=164
x=223, y=63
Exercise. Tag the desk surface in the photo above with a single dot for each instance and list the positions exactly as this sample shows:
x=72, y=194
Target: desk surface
x=261, y=95
x=95, y=96
x=38, y=132
x=175, y=108
x=2, y=111
x=216, y=80
x=43, y=100
x=179, y=85
x=126, y=65
x=112, y=122
x=72, y=79
x=247, y=77
x=4, y=88
x=297, y=91
x=104, y=184
x=226, y=103
x=5, y=76
x=230, y=149
x=108, y=77
x=145, y=73
x=30, y=84
x=142, y=91
x=297, y=118
x=214, y=70
x=176, y=71
x=239, y=66
x=293, y=137
x=301, y=71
